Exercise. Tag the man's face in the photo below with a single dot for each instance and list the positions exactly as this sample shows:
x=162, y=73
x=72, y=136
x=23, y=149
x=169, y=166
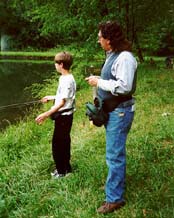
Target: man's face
x=105, y=43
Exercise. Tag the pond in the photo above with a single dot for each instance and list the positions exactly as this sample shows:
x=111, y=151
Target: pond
x=15, y=76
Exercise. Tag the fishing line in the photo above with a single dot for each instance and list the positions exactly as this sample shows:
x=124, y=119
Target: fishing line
x=19, y=104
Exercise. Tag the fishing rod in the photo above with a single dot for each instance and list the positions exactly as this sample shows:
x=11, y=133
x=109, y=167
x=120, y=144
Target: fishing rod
x=19, y=104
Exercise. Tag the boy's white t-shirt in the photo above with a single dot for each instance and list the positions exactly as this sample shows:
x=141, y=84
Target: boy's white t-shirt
x=66, y=90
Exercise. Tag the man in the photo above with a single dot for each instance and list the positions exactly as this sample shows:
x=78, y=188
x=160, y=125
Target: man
x=116, y=86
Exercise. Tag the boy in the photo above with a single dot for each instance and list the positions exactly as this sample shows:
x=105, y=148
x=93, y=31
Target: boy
x=65, y=105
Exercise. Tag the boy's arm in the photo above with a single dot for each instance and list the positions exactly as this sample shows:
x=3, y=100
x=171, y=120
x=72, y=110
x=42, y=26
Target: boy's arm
x=47, y=98
x=39, y=119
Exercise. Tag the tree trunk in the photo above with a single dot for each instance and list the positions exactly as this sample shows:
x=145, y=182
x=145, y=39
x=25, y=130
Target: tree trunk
x=119, y=6
x=139, y=50
x=127, y=18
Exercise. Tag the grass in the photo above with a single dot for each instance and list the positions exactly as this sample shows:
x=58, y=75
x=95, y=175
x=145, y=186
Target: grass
x=27, y=191
x=79, y=51
x=29, y=53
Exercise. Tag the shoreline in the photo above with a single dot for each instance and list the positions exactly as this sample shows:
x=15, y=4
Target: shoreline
x=28, y=57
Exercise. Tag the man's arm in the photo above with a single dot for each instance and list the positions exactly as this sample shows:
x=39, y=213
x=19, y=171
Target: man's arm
x=123, y=70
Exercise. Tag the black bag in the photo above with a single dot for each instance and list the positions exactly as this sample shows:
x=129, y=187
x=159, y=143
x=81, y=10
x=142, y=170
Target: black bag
x=56, y=114
x=96, y=113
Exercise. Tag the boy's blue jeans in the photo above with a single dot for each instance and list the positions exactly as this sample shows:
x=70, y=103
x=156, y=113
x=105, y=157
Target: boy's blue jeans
x=117, y=128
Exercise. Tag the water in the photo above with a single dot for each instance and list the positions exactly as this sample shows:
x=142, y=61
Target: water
x=15, y=76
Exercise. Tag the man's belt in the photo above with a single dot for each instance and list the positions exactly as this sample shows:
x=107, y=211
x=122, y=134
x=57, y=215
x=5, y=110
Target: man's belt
x=117, y=101
x=127, y=103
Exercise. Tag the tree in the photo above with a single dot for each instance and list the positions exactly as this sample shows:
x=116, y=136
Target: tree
x=46, y=23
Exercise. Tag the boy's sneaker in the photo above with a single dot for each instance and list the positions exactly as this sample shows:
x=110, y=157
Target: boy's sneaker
x=58, y=175
x=54, y=172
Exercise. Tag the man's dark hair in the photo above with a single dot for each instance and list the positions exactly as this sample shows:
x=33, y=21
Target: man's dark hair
x=112, y=31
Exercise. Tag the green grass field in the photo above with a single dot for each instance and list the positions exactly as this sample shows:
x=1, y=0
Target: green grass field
x=27, y=190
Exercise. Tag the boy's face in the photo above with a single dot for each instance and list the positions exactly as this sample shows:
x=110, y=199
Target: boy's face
x=58, y=66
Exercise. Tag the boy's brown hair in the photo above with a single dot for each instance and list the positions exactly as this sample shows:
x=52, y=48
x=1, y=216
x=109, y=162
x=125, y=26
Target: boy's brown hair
x=65, y=58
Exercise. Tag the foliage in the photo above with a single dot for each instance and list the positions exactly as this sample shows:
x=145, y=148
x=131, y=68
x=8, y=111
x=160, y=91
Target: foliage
x=45, y=24
x=25, y=165
x=158, y=25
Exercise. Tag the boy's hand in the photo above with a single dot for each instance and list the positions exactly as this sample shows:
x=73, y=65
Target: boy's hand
x=47, y=98
x=40, y=119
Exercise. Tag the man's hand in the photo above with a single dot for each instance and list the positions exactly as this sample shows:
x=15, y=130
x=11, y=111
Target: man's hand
x=92, y=80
